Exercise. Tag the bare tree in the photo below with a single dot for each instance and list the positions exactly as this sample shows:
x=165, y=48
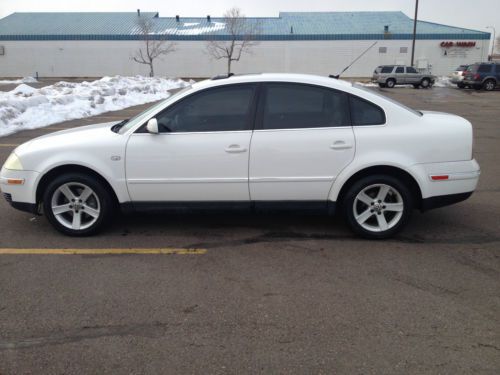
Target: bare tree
x=153, y=47
x=242, y=37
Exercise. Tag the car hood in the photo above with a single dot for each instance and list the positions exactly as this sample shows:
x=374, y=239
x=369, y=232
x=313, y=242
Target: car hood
x=68, y=137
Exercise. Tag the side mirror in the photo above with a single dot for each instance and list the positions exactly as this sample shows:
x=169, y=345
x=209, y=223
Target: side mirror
x=152, y=126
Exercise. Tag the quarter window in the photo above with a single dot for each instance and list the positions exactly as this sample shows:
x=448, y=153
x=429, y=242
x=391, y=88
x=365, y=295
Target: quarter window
x=410, y=69
x=484, y=68
x=218, y=109
x=365, y=113
x=387, y=69
x=292, y=106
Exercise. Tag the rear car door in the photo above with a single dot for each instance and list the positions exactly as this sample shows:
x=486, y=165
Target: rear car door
x=201, y=153
x=302, y=140
x=400, y=74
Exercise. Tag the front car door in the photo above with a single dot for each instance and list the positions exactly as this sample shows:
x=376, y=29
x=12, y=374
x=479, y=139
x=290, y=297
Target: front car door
x=201, y=153
x=412, y=76
x=302, y=140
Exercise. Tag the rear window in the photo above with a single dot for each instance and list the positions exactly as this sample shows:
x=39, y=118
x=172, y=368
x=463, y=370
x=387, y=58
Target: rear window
x=472, y=68
x=387, y=69
x=461, y=68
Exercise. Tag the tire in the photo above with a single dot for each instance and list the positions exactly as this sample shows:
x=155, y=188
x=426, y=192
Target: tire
x=84, y=204
x=361, y=203
x=477, y=87
x=460, y=85
x=381, y=85
x=489, y=85
x=425, y=83
x=390, y=83
x=416, y=86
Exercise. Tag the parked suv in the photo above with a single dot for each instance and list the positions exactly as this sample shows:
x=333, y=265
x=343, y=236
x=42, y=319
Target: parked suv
x=392, y=75
x=457, y=77
x=483, y=76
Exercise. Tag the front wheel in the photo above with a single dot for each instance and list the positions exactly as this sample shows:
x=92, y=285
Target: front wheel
x=77, y=204
x=377, y=207
x=425, y=83
x=460, y=85
x=390, y=83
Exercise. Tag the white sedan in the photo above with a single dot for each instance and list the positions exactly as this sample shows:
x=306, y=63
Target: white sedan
x=254, y=142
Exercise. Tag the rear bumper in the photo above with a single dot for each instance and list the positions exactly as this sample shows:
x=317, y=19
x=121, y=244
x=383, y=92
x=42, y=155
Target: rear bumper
x=443, y=200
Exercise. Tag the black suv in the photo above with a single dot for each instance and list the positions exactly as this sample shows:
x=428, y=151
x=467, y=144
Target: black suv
x=483, y=76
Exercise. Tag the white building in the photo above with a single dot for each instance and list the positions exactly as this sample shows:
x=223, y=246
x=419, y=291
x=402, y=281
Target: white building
x=97, y=44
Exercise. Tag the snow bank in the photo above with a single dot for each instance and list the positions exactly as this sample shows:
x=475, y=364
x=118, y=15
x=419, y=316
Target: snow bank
x=16, y=81
x=443, y=81
x=28, y=108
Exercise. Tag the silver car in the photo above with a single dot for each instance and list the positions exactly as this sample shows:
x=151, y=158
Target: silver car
x=457, y=76
x=392, y=75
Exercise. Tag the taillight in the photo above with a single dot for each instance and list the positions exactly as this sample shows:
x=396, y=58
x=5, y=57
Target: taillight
x=477, y=77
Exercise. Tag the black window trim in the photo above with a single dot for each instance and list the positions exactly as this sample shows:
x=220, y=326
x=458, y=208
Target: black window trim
x=251, y=115
x=369, y=102
x=259, y=117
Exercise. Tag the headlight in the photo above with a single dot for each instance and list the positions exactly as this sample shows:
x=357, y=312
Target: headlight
x=13, y=163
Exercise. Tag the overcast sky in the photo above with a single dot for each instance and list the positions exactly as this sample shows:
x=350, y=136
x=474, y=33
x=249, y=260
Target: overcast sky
x=475, y=14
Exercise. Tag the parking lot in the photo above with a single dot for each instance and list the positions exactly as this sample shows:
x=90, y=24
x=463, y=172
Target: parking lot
x=262, y=294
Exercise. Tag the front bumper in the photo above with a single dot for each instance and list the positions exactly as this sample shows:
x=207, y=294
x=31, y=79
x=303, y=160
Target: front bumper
x=21, y=196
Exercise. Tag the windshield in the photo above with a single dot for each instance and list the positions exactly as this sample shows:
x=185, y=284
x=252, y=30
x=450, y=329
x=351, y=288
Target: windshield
x=387, y=98
x=145, y=114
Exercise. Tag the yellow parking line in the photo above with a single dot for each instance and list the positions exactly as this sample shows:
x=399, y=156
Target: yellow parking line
x=104, y=251
x=9, y=144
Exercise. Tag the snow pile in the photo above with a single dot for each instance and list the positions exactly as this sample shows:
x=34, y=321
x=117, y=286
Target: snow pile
x=16, y=81
x=443, y=81
x=28, y=108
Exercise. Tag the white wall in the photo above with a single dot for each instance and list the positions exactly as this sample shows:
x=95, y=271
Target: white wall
x=98, y=58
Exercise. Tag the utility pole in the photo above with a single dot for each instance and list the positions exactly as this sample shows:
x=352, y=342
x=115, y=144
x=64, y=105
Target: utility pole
x=493, y=44
x=414, y=33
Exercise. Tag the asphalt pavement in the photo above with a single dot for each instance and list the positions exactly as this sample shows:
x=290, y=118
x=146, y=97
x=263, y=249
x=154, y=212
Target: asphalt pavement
x=275, y=294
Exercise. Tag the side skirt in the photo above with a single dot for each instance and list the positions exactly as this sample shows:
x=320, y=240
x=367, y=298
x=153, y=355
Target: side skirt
x=302, y=207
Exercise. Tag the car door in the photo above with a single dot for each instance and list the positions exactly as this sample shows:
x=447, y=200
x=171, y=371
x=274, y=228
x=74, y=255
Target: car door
x=201, y=152
x=400, y=75
x=412, y=75
x=302, y=140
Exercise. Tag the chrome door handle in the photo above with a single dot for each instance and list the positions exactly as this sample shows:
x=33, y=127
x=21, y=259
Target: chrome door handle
x=235, y=149
x=340, y=145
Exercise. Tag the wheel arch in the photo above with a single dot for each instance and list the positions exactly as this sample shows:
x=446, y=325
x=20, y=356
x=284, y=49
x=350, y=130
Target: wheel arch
x=390, y=170
x=71, y=168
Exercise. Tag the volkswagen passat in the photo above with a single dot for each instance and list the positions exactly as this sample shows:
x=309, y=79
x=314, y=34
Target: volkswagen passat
x=254, y=142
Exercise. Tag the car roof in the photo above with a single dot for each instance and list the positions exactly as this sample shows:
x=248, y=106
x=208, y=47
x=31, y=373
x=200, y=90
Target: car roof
x=274, y=77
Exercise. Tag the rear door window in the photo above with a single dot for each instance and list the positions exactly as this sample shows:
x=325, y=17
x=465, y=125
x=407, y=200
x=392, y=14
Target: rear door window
x=400, y=69
x=364, y=112
x=293, y=106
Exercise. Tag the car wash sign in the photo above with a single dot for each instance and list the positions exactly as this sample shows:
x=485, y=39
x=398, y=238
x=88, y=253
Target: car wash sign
x=446, y=44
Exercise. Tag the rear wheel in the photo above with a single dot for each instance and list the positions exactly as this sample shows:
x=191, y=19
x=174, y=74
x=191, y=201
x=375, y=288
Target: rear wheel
x=77, y=204
x=381, y=85
x=460, y=85
x=377, y=206
x=416, y=86
x=390, y=83
x=477, y=87
x=489, y=85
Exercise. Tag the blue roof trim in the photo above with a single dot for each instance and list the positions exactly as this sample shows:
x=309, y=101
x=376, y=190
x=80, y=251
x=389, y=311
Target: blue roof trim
x=260, y=37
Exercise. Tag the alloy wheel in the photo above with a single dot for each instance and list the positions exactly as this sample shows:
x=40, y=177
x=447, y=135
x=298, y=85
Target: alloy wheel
x=75, y=205
x=378, y=207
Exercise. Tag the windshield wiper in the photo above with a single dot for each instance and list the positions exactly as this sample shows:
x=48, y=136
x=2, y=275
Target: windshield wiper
x=116, y=128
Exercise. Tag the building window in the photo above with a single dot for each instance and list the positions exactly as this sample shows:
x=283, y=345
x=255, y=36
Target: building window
x=2, y=50
x=382, y=49
x=403, y=49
